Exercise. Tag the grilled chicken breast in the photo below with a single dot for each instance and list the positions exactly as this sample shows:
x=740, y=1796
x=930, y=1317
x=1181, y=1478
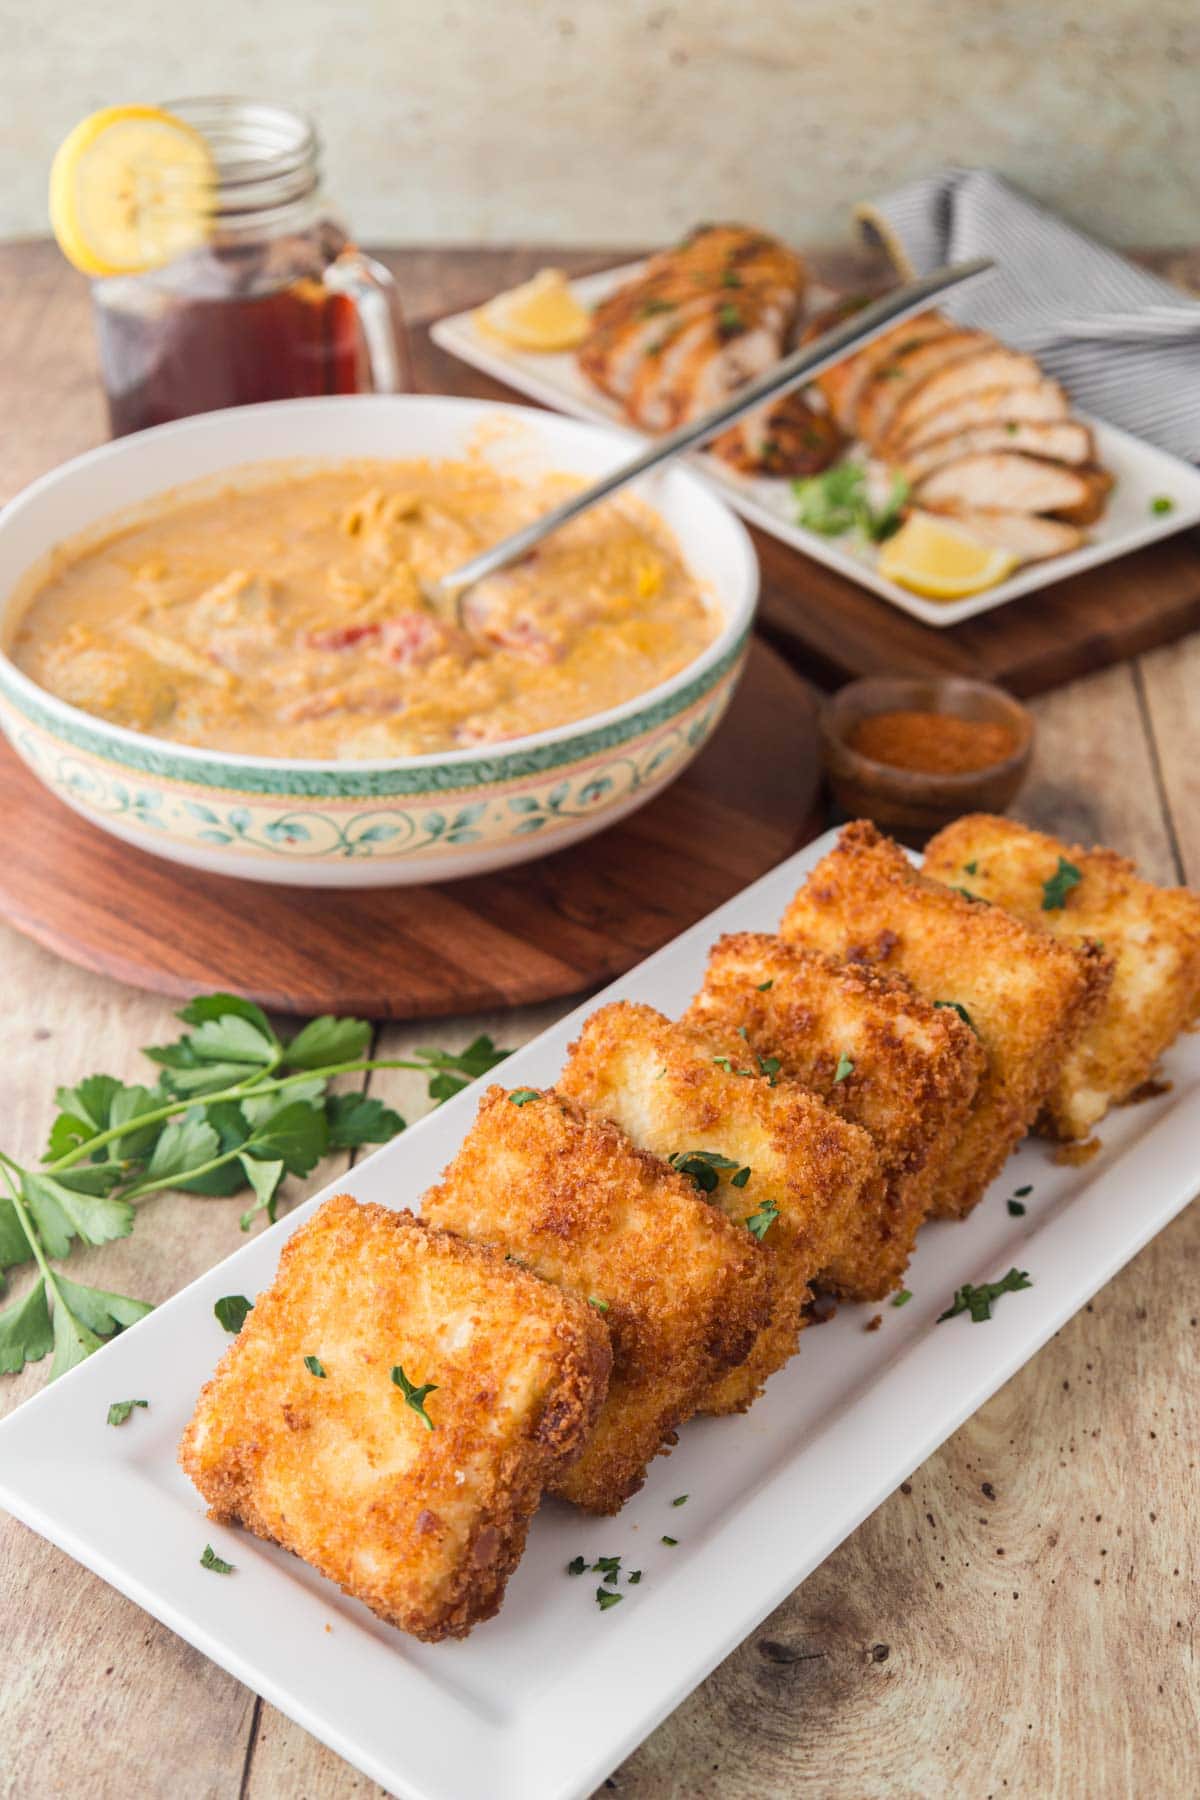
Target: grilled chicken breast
x=1045, y=400
x=1056, y=440
x=1027, y=535
x=897, y=380
x=1011, y=482
x=967, y=375
x=843, y=385
x=785, y=437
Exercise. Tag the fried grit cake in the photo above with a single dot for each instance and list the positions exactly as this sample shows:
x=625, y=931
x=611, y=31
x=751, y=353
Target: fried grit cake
x=1027, y=996
x=786, y=1167
x=873, y=1050
x=419, y=1509
x=1152, y=935
x=684, y=1291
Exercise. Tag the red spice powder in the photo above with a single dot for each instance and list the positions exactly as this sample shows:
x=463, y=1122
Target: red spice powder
x=933, y=743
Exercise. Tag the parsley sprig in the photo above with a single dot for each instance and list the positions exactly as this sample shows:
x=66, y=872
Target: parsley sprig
x=978, y=1300
x=235, y=1107
x=838, y=501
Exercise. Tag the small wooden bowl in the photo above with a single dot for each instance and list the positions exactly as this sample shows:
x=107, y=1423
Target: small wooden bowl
x=908, y=804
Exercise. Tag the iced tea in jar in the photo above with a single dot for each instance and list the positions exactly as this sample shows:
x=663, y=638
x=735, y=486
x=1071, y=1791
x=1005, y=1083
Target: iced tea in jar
x=267, y=300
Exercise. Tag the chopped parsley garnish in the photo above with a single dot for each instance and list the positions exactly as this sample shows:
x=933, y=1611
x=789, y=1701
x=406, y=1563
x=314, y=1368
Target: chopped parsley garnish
x=701, y=1166
x=845, y=1067
x=729, y=319
x=902, y=1298
x=522, y=1096
x=955, y=1006
x=1017, y=1208
x=315, y=1366
x=1162, y=503
x=723, y=1062
x=1021, y=1193
x=680, y=1499
x=971, y=868
x=606, y=1598
x=218, y=1565
x=600, y=1305
x=415, y=1396
x=654, y=306
x=965, y=892
x=978, y=1300
x=743, y=1033
x=668, y=1540
x=837, y=501
x=120, y=1410
x=731, y=279
x=576, y=1566
x=769, y=1066
x=1057, y=886
x=231, y=1310
x=608, y=1564
x=740, y=1179
x=764, y=985
x=633, y=1577
x=760, y=1222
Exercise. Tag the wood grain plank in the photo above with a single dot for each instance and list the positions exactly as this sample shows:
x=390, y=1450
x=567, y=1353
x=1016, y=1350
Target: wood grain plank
x=1169, y=685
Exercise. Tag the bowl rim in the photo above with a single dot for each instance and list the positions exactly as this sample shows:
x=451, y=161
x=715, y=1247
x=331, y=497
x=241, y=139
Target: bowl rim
x=922, y=780
x=144, y=749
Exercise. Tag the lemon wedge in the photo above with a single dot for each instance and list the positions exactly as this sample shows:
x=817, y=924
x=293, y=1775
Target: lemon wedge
x=130, y=188
x=932, y=557
x=542, y=314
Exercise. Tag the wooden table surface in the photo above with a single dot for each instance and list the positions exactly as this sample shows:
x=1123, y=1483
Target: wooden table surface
x=1018, y=1619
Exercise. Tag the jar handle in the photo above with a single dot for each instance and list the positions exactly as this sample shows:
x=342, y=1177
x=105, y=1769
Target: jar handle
x=372, y=292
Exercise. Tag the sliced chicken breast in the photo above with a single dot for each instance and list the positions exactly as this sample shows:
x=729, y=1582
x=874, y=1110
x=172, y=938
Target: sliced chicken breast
x=1056, y=440
x=843, y=384
x=1031, y=538
x=1043, y=401
x=901, y=375
x=787, y=437
x=967, y=375
x=1007, y=482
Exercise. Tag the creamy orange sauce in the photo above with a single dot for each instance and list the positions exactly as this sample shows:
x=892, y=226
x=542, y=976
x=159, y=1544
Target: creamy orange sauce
x=290, y=619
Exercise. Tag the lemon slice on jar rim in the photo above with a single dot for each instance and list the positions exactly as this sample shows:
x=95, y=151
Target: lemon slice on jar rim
x=933, y=557
x=131, y=188
x=542, y=314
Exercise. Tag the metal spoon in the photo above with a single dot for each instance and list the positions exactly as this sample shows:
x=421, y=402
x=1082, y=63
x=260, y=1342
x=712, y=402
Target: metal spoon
x=446, y=594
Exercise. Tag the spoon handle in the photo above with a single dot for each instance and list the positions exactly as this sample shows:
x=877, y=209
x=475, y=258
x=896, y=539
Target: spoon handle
x=802, y=365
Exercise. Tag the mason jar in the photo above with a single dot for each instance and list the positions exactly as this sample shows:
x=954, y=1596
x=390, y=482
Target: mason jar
x=275, y=303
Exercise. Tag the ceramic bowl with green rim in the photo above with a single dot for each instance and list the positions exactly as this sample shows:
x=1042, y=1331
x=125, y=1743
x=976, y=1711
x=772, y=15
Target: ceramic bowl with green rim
x=386, y=821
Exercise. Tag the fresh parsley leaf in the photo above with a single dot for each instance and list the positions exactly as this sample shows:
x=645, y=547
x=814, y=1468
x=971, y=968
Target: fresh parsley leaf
x=607, y=1598
x=359, y=1119
x=1017, y=1208
x=1057, y=886
x=328, y=1040
x=265, y=1178
x=740, y=1178
x=576, y=1566
x=769, y=1066
x=218, y=1565
x=456, y=1070
x=522, y=1096
x=315, y=1366
x=764, y=985
x=62, y=1209
x=633, y=1577
x=230, y=1312
x=902, y=1298
x=954, y=1006
x=297, y=1136
x=837, y=501
x=978, y=1300
x=120, y=1410
x=26, y=1334
x=701, y=1166
x=760, y=1222
x=415, y=1396
x=14, y=1245
x=83, y=1317
x=609, y=1564
x=1162, y=503
x=183, y=1145
x=844, y=1068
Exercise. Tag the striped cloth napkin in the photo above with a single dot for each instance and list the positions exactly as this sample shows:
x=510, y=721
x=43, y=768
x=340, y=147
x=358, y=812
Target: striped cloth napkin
x=1125, y=344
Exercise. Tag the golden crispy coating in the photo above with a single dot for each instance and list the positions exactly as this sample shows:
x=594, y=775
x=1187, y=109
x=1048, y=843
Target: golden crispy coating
x=660, y=1083
x=424, y=1526
x=686, y=1291
x=1152, y=935
x=876, y=1052
x=1027, y=996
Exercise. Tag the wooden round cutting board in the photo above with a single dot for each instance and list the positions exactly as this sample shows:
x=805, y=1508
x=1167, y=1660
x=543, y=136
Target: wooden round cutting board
x=536, y=932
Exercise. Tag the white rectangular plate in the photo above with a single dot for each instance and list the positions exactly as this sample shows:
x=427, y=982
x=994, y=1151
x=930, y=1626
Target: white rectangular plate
x=1143, y=473
x=542, y=1702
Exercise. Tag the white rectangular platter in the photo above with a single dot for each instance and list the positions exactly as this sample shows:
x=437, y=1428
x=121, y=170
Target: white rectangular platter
x=1143, y=473
x=543, y=1701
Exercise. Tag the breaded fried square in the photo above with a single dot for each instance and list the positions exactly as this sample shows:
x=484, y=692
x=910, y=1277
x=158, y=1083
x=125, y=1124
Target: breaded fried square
x=785, y=1167
x=393, y=1408
x=1151, y=934
x=684, y=1291
x=873, y=1050
x=1026, y=996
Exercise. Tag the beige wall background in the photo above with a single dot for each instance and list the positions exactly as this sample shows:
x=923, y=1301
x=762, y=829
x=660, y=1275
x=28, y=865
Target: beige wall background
x=622, y=121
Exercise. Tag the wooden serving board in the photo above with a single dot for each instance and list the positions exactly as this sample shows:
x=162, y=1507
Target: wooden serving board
x=833, y=630
x=540, y=931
